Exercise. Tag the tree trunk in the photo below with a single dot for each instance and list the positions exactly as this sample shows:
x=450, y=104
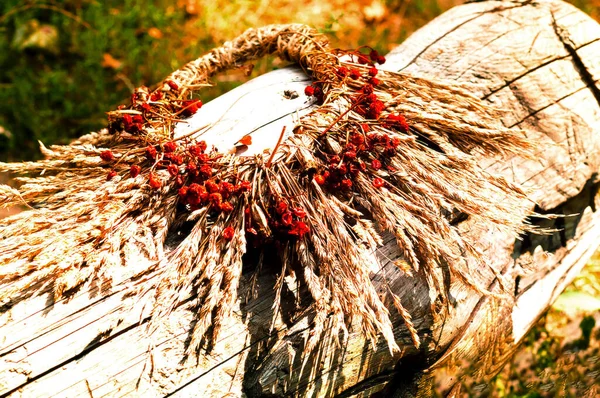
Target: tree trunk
x=540, y=60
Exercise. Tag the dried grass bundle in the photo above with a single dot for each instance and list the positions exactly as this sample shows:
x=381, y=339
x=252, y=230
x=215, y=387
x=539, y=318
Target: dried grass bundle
x=383, y=152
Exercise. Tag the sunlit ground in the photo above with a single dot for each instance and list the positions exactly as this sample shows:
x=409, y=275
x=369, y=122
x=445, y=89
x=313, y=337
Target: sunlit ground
x=63, y=64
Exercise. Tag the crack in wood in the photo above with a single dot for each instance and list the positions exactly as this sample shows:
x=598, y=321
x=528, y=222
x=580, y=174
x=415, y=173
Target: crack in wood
x=584, y=73
x=540, y=66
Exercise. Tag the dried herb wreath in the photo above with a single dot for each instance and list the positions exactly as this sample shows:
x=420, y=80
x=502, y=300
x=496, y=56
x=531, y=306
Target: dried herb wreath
x=383, y=151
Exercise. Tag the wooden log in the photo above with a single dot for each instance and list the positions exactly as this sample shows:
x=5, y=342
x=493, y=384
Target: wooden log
x=538, y=59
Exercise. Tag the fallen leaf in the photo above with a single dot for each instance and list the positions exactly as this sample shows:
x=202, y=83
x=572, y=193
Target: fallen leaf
x=36, y=36
x=155, y=33
x=246, y=140
x=375, y=12
x=191, y=7
x=108, y=61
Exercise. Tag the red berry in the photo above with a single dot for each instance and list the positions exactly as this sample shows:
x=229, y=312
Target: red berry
x=299, y=212
x=381, y=60
x=192, y=169
x=226, y=189
x=177, y=159
x=363, y=60
x=170, y=147
x=357, y=139
x=403, y=125
x=350, y=155
x=134, y=170
x=154, y=182
x=155, y=96
x=373, y=71
x=286, y=218
x=281, y=207
x=195, y=194
x=190, y=107
x=369, y=99
x=342, y=71
x=244, y=186
x=216, y=199
x=378, y=182
x=146, y=106
x=110, y=175
x=374, y=81
x=228, y=233
x=172, y=84
x=376, y=164
x=299, y=229
x=205, y=171
x=173, y=170
x=354, y=74
x=226, y=207
x=374, y=55
x=319, y=179
x=127, y=121
x=309, y=91
x=107, y=156
x=198, y=149
x=151, y=152
x=211, y=186
x=346, y=184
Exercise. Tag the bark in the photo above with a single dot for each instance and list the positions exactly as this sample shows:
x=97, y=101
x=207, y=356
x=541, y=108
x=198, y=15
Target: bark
x=540, y=60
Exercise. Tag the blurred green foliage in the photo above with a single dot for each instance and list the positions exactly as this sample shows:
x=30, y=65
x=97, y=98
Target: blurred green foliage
x=54, y=89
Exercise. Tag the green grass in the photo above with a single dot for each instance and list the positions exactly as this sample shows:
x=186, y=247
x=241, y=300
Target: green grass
x=58, y=90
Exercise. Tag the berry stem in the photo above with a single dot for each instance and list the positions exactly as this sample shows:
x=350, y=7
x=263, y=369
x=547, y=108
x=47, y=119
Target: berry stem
x=276, y=146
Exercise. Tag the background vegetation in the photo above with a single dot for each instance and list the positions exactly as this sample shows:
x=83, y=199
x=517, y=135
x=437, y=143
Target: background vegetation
x=64, y=63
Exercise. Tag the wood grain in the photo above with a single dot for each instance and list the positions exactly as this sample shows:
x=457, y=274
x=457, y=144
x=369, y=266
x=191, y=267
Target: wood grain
x=539, y=60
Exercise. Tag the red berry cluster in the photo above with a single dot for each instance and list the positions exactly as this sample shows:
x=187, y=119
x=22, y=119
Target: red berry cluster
x=148, y=107
x=397, y=122
x=190, y=107
x=217, y=195
x=373, y=58
x=367, y=104
x=362, y=151
x=363, y=148
x=289, y=220
x=315, y=90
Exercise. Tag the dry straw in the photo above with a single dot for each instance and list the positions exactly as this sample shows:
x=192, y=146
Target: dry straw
x=383, y=152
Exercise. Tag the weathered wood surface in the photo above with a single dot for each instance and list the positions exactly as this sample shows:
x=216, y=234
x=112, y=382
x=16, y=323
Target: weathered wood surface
x=541, y=61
